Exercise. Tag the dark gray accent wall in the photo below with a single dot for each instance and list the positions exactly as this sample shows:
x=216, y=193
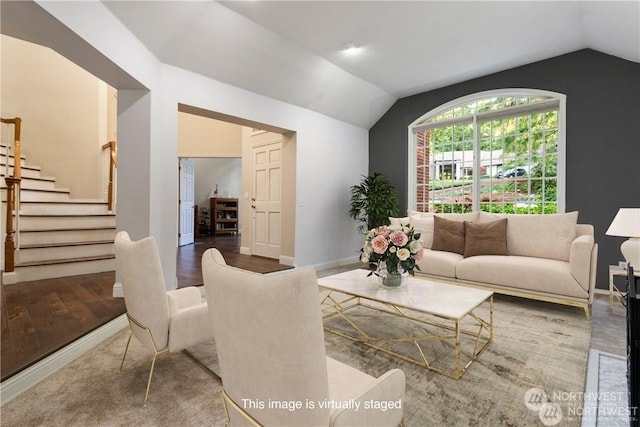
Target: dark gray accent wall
x=602, y=133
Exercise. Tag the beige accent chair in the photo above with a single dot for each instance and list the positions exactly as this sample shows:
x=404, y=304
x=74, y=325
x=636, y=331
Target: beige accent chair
x=163, y=321
x=271, y=350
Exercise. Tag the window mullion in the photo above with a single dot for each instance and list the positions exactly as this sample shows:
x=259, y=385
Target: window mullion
x=475, y=187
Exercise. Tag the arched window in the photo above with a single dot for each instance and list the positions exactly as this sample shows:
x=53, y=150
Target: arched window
x=499, y=151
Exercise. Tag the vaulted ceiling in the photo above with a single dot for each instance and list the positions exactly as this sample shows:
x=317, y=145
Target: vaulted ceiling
x=293, y=50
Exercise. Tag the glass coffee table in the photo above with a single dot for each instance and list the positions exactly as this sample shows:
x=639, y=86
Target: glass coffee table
x=439, y=313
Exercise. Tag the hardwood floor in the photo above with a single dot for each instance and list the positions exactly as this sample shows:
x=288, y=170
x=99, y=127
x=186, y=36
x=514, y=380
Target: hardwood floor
x=189, y=271
x=40, y=317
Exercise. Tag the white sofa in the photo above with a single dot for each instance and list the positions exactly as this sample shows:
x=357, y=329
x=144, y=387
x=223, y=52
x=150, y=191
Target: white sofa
x=550, y=257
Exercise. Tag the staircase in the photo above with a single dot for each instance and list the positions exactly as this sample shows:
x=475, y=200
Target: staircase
x=58, y=236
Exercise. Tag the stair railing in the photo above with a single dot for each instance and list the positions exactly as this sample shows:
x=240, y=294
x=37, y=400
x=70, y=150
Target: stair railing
x=113, y=163
x=13, y=195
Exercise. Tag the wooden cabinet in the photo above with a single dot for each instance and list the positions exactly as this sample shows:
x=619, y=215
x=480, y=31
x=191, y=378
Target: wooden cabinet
x=224, y=215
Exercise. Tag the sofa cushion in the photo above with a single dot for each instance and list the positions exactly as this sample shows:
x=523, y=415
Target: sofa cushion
x=485, y=238
x=448, y=235
x=439, y=263
x=424, y=226
x=542, y=236
x=398, y=222
x=526, y=273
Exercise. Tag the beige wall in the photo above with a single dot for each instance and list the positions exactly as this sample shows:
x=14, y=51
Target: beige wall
x=205, y=137
x=64, y=112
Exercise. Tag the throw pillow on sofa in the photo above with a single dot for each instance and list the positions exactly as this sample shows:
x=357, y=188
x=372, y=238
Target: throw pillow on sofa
x=485, y=238
x=424, y=226
x=399, y=222
x=448, y=235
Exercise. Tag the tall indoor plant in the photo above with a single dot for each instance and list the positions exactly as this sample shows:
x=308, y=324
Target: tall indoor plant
x=373, y=201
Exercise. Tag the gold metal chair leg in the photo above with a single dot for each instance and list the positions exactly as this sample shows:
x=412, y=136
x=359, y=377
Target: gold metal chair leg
x=228, y=401
x=133, y=322
x=153, y=364
x=126, y=348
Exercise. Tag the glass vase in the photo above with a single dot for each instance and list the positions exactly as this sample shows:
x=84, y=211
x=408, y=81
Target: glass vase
x=391, y=280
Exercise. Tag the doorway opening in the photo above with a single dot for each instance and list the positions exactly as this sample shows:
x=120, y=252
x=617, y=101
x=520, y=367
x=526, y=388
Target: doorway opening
x=243, y=190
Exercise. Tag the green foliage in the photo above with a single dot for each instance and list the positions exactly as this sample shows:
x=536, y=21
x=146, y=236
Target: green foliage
x=452, y=207
x=373, y=201
x=545, y=187
x=439, y=184
x=511, y=208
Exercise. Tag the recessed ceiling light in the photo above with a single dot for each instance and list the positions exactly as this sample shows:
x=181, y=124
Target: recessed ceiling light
x=350, y=48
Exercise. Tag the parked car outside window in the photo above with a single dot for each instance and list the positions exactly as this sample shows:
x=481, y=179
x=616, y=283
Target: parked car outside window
x=511, y=173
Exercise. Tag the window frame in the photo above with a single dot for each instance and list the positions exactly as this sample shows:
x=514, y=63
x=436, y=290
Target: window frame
x=421, y=124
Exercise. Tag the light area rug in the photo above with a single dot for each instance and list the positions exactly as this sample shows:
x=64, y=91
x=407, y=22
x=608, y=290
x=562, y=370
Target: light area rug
x=536, y=346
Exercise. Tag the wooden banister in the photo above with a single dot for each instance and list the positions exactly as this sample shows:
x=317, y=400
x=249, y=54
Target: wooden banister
x=13, y=196
x=17, y=122
x=113, y=163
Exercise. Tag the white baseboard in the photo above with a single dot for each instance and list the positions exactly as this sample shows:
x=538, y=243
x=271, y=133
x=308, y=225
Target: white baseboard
x=245, y=250
x=9, y=278
x=337, y=263
x=287, y=260
x=32, y=375
x=117, y=290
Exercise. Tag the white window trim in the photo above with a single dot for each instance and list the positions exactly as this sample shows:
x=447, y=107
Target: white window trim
x=419, y=123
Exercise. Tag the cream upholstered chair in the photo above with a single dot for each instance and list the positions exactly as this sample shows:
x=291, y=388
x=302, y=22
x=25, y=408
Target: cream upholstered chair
x=271, y=350
x=163, y=321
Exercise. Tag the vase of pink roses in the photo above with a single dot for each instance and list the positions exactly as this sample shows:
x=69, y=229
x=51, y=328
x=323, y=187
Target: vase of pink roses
x=391, y=253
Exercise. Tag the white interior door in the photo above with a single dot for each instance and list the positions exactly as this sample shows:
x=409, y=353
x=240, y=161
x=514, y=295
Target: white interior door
x=187, y=195
x=266, y=200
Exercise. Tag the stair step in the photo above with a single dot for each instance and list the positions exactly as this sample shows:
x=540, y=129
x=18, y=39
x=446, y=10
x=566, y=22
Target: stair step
x=61, y=222
x=70, y=267
x=46, y=254
x=4, y=151
x=38, y=195
x=12, y=162
x=65, y=235
x=59, y=236
x=65, y=261
x=65, y=244
x=72, y=206
x=34, y=183
x=23, y=168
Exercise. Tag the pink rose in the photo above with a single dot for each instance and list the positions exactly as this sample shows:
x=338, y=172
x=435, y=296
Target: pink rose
x=398, y=238
x=383, y=230
x=379, y=244
x=419, y=254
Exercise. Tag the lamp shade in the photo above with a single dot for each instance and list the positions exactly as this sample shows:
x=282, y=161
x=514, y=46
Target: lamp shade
x=626, y=223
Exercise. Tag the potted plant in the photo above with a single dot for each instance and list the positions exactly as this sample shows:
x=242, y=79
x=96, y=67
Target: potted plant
x=373, y=201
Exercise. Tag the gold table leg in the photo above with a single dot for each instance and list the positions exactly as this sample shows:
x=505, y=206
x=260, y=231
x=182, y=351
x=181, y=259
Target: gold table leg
x=483, y=336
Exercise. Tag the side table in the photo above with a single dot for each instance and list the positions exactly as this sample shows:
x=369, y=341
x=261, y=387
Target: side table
x=614, y=292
